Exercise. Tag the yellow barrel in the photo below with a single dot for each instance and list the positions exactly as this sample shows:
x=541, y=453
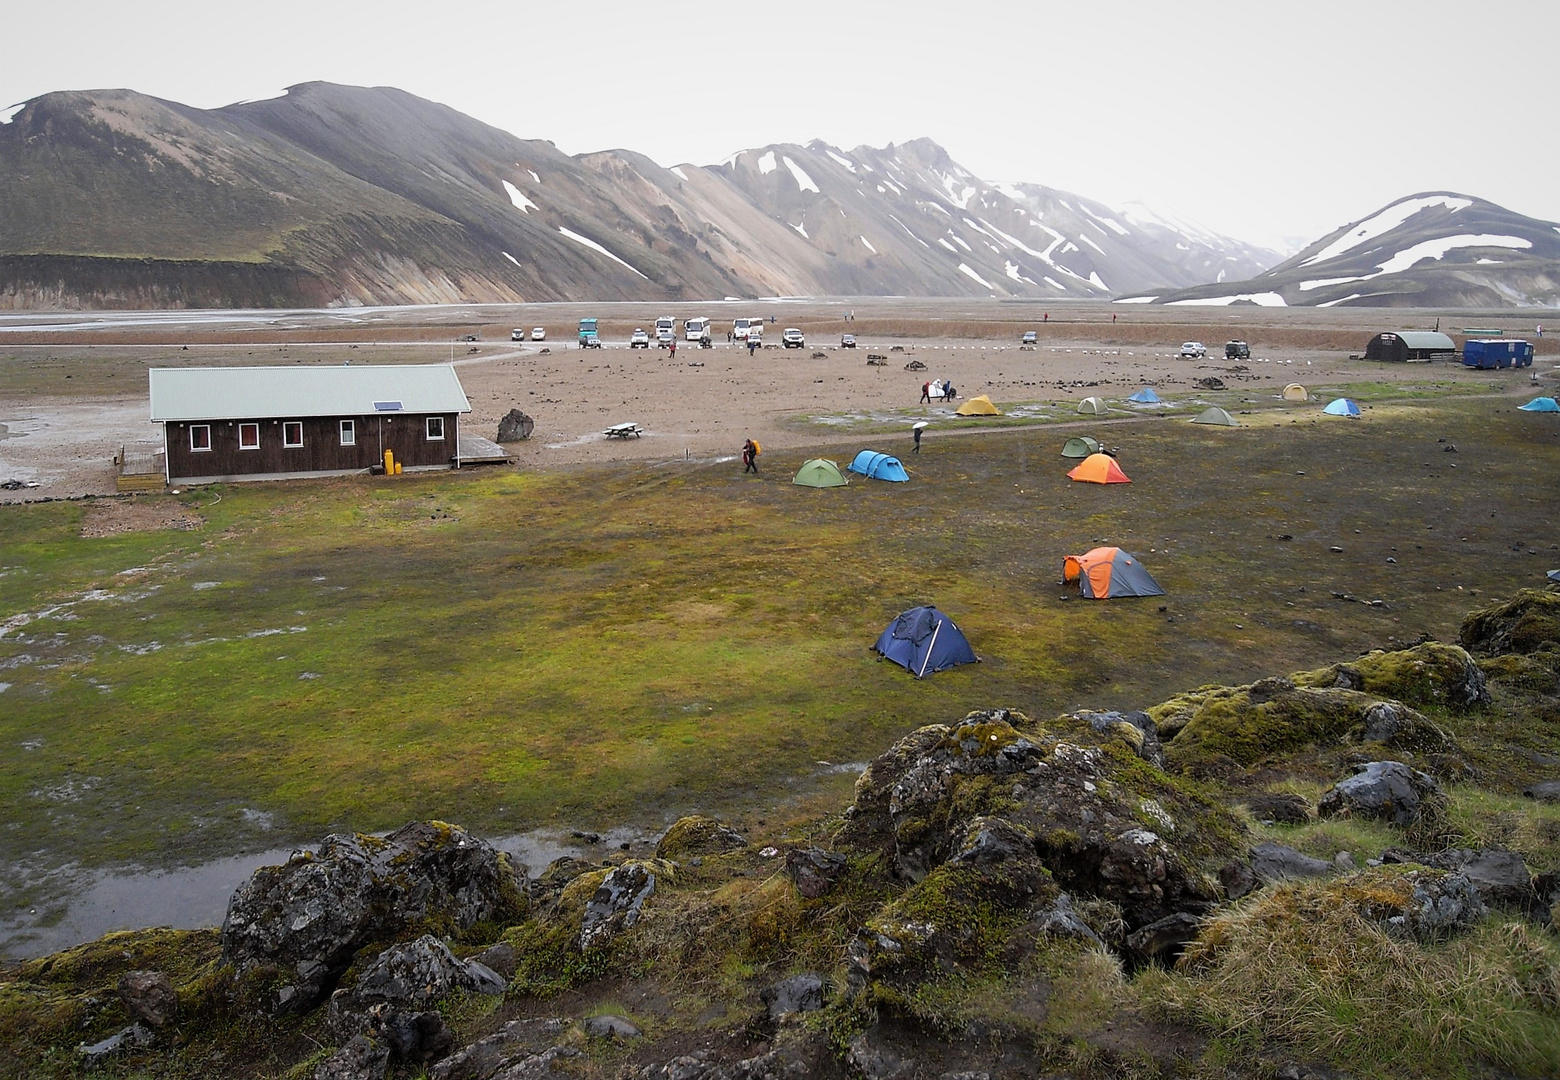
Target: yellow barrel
x=389, y=463
x=398, y=468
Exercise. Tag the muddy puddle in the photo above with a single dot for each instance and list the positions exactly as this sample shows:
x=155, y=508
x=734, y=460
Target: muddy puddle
x=72, y=906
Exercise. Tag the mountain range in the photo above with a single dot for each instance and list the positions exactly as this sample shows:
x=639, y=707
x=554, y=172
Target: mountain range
x=337, y=195
x=1434, y=249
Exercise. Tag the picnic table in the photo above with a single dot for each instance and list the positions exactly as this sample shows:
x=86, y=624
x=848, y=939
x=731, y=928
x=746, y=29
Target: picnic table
x=623, y=431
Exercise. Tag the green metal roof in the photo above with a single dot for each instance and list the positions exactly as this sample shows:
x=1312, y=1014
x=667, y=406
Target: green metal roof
x=242, y=393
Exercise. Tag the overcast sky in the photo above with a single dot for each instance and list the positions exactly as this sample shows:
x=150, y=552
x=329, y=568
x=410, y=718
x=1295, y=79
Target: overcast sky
x=1262, y=120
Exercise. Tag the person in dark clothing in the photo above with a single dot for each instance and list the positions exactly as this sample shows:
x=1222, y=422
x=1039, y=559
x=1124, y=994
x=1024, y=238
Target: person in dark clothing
x=751, y=345
x=917, y=448
x=749, y=457
x=926, y=391
x=949, y=393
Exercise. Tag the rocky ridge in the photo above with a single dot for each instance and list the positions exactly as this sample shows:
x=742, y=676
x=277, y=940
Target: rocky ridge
x=1002, y=895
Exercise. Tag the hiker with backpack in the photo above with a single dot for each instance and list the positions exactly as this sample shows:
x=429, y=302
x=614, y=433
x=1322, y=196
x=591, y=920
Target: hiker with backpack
x=750, y=452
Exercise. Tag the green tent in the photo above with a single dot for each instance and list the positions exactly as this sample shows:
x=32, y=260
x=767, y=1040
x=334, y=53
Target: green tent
x=1080, y=446
x=1215, y=415
x=819, y=473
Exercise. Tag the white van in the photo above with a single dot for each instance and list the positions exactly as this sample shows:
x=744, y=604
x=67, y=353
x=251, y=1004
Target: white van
x=665, y=331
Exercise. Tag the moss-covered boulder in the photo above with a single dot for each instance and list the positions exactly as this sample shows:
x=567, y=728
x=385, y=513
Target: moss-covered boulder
x=1275, y=716
x=1428, y=674
x=298, y=925
x=1103, y=822
x=1526, y=623
x=697, y=836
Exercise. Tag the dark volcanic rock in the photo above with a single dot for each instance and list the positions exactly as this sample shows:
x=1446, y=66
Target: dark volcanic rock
x=1284, y=808
x=515, y=1041
x=607, y=1026
x=799, y=993
x=360, y=1059
x=814, y=870
x=1275, y=862
x=1543, y=791
x=1500, y=876
x=1388, y=790
x=616, y=903
x=149, y=997
x=1164, y=937
x=515, y=426
x=1059, y=919
x=306, y=918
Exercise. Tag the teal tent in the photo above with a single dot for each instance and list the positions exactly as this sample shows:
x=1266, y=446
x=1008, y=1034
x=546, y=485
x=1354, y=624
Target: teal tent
x=1341, y=407
x=876, y=466
x=1541, y=404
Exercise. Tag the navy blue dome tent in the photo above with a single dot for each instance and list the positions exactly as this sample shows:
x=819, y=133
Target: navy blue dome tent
x=924, y=640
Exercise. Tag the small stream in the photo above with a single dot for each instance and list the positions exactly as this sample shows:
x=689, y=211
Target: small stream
x=84, y=905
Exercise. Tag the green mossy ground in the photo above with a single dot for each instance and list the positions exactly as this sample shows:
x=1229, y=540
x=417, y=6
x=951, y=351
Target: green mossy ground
x=630, y=644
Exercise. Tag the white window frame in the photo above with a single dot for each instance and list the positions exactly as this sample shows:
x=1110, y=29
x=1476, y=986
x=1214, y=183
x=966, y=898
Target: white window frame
x=287, y=425
x=428, y=428
x=242, y=428
x=200, y=449
x=348, y=432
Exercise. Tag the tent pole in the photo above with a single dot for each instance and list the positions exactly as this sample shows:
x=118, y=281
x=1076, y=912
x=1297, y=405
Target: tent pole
x=932, y=645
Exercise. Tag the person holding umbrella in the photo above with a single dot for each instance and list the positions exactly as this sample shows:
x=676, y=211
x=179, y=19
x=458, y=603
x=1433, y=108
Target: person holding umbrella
x=916, y=430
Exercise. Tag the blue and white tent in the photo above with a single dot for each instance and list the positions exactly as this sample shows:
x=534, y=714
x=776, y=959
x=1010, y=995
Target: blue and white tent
x=1541, y=404
x=923, y=640
x=1146, y=396
x=876, y=466
x=1341, y=407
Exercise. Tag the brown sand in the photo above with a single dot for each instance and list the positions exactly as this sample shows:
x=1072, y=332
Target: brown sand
x=704, y=402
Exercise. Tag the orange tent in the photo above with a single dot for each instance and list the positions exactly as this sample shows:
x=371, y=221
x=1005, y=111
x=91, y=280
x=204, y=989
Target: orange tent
x=1108, y=572
x=1099, y=469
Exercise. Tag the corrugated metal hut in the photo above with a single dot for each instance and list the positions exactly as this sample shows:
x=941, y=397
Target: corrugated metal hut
x=1411, y=346
x=268, y=423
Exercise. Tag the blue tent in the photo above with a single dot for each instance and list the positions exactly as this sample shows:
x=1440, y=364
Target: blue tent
x=924, y=640
x=878, y=466
x=1341, y=407
x=1145, y=396
x=1541, y=404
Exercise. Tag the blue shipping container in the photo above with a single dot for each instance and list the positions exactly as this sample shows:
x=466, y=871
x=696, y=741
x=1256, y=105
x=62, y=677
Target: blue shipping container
x=1497, y=353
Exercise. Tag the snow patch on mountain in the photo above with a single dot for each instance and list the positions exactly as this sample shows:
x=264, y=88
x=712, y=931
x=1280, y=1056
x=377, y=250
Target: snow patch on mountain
x=766, y=164
x=676, y=170
x=8, y=113
x=524, y=205
x=510, y=257
x=964, y=268
x=912, y=235
x=803, y=181
x=588, y=242
x=868, y=244
x=1261, y=299
x=534, y=177
x=1094, y=279
x=845, y=161
x=802, y=228
x=1383, y=222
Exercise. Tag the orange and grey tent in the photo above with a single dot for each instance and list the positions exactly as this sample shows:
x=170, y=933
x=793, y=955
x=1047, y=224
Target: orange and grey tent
x=1099, y=469
x=1109, y=572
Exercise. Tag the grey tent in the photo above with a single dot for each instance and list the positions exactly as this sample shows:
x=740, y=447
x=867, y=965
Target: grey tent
x=1215, y=415
x=1080, y=446
x=1094, y=406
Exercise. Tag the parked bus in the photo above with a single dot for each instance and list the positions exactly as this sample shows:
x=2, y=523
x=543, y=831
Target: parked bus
x=589, y=339
x=697, y=330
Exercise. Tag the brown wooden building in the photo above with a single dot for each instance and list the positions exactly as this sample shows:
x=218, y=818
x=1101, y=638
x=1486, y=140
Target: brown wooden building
x=267, y=423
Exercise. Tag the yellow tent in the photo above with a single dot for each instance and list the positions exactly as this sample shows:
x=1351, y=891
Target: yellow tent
x=1295, y=392
x=978, y=406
